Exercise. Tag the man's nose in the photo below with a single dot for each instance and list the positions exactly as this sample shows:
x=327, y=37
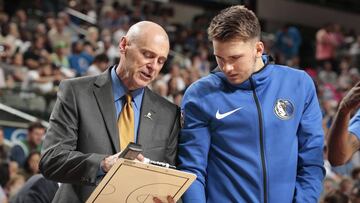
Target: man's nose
x=153, y=64
x=227, y=68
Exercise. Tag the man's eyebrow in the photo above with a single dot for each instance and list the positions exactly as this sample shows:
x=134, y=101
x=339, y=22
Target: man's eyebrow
x=218, y=56
x=152, y=52
x=148, y=50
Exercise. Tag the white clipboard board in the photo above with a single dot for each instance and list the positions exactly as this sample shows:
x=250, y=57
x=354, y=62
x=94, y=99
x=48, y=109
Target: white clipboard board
x=135, y=182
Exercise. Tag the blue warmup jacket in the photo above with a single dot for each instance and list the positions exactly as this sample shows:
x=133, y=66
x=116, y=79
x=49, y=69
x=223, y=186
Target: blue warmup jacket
x=260, y=141
x=354, y=126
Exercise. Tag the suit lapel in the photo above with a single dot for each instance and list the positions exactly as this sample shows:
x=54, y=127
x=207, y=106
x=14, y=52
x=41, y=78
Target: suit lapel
x=148, y=117
x=105, y=100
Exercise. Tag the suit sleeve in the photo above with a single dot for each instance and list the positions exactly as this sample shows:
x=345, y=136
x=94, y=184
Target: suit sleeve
x=60, y=161
x=194, y=146
x=171, y=148
x=310, y=172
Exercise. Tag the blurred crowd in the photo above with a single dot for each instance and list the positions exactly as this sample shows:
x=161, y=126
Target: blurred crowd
x=43, y=44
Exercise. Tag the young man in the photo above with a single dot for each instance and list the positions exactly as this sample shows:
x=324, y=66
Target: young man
x=20, y=151
x=95, y=117
x=252, y=130
x=344, y=137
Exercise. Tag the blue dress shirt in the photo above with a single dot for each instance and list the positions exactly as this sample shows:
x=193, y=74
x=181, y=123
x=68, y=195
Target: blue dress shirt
x=119, y=91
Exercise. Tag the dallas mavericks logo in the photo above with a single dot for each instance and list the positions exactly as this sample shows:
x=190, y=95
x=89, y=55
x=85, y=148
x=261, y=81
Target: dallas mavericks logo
x=284, y=109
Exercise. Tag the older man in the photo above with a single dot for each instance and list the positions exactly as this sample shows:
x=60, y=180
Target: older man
x=95, y=117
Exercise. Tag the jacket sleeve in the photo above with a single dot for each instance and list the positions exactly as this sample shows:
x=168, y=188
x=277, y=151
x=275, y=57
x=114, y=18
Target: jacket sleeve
x=194, y=146
x=60, y=161
x=310, y=171
x=171, y=148
x=354, y=126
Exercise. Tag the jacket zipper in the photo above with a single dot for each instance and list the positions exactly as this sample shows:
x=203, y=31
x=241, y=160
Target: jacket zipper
x=261, y=138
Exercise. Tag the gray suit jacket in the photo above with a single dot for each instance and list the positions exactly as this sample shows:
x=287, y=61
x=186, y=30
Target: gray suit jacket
x=83, y=130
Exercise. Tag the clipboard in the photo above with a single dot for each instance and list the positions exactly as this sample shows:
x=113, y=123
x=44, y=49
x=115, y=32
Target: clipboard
x=135, y=182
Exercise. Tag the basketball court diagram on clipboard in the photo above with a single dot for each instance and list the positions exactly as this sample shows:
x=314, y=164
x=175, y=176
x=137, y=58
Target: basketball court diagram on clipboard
x=135, y=182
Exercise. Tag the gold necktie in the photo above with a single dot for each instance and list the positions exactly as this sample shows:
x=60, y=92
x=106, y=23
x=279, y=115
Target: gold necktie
x=126, y=123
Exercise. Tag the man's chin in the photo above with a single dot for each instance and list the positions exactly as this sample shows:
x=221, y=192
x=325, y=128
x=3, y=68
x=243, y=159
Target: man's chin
x=140, y=84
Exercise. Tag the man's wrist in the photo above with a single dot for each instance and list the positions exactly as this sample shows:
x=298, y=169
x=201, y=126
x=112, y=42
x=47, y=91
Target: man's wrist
x=103, y=165
x=101, y=171
x=344, y=110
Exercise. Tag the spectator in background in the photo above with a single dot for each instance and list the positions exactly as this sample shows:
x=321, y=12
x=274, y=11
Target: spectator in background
x=355, y=51
x=59, y=33
x=89, y=49
x=336, y=197
x=325, y=45
x=106, y=17
x=108, y=47
x=355, y=195
x=14, y=185
x=12, y=38
x=174, y=74
x=40, y=80
x=4, y=147
x=327, y=75
x=3, y=197
x=18, y=70
x=13, y=168
x=60, y=56
x=31, y=166
x=344, y=81
x=21, y=150
x=173, y=88
x=92, y=38
x=287, y=44
x=5, y=173
x=79, y=60
x=3, y=79
x=36, y=53
x=329, y=186
x=355, y=175
x=177, y=98
x=99, y=65
x=161, y=88
x=69, y=26
x=346, y=186
x=200, y=64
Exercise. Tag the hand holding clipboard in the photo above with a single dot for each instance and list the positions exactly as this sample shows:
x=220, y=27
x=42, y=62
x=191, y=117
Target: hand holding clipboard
x=133, y=181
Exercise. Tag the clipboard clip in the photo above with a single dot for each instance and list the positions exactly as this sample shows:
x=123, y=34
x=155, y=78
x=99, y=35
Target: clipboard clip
x=158, y=163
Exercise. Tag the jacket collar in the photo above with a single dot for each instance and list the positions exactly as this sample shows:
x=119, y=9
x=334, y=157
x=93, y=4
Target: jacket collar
x=259, y=78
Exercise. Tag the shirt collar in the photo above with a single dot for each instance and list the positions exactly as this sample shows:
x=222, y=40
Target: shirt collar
x=119, y=90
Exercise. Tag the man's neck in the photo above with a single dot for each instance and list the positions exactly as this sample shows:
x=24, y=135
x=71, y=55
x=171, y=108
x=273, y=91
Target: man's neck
x=32, y=145
x=259, y=64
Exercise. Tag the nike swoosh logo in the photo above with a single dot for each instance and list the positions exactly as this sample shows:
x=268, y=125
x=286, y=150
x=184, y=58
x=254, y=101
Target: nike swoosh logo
x=223, y=115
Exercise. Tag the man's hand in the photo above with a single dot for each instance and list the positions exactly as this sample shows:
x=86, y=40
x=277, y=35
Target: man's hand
x=109, y=161
x=169, y=199
x=351, y=101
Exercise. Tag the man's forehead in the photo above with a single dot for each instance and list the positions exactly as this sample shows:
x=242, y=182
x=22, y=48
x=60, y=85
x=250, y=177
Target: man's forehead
x=160, y=47
x=230, y=46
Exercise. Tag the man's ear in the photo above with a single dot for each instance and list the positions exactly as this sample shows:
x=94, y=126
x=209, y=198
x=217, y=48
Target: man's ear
x=122, y=45
x=259, y=46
